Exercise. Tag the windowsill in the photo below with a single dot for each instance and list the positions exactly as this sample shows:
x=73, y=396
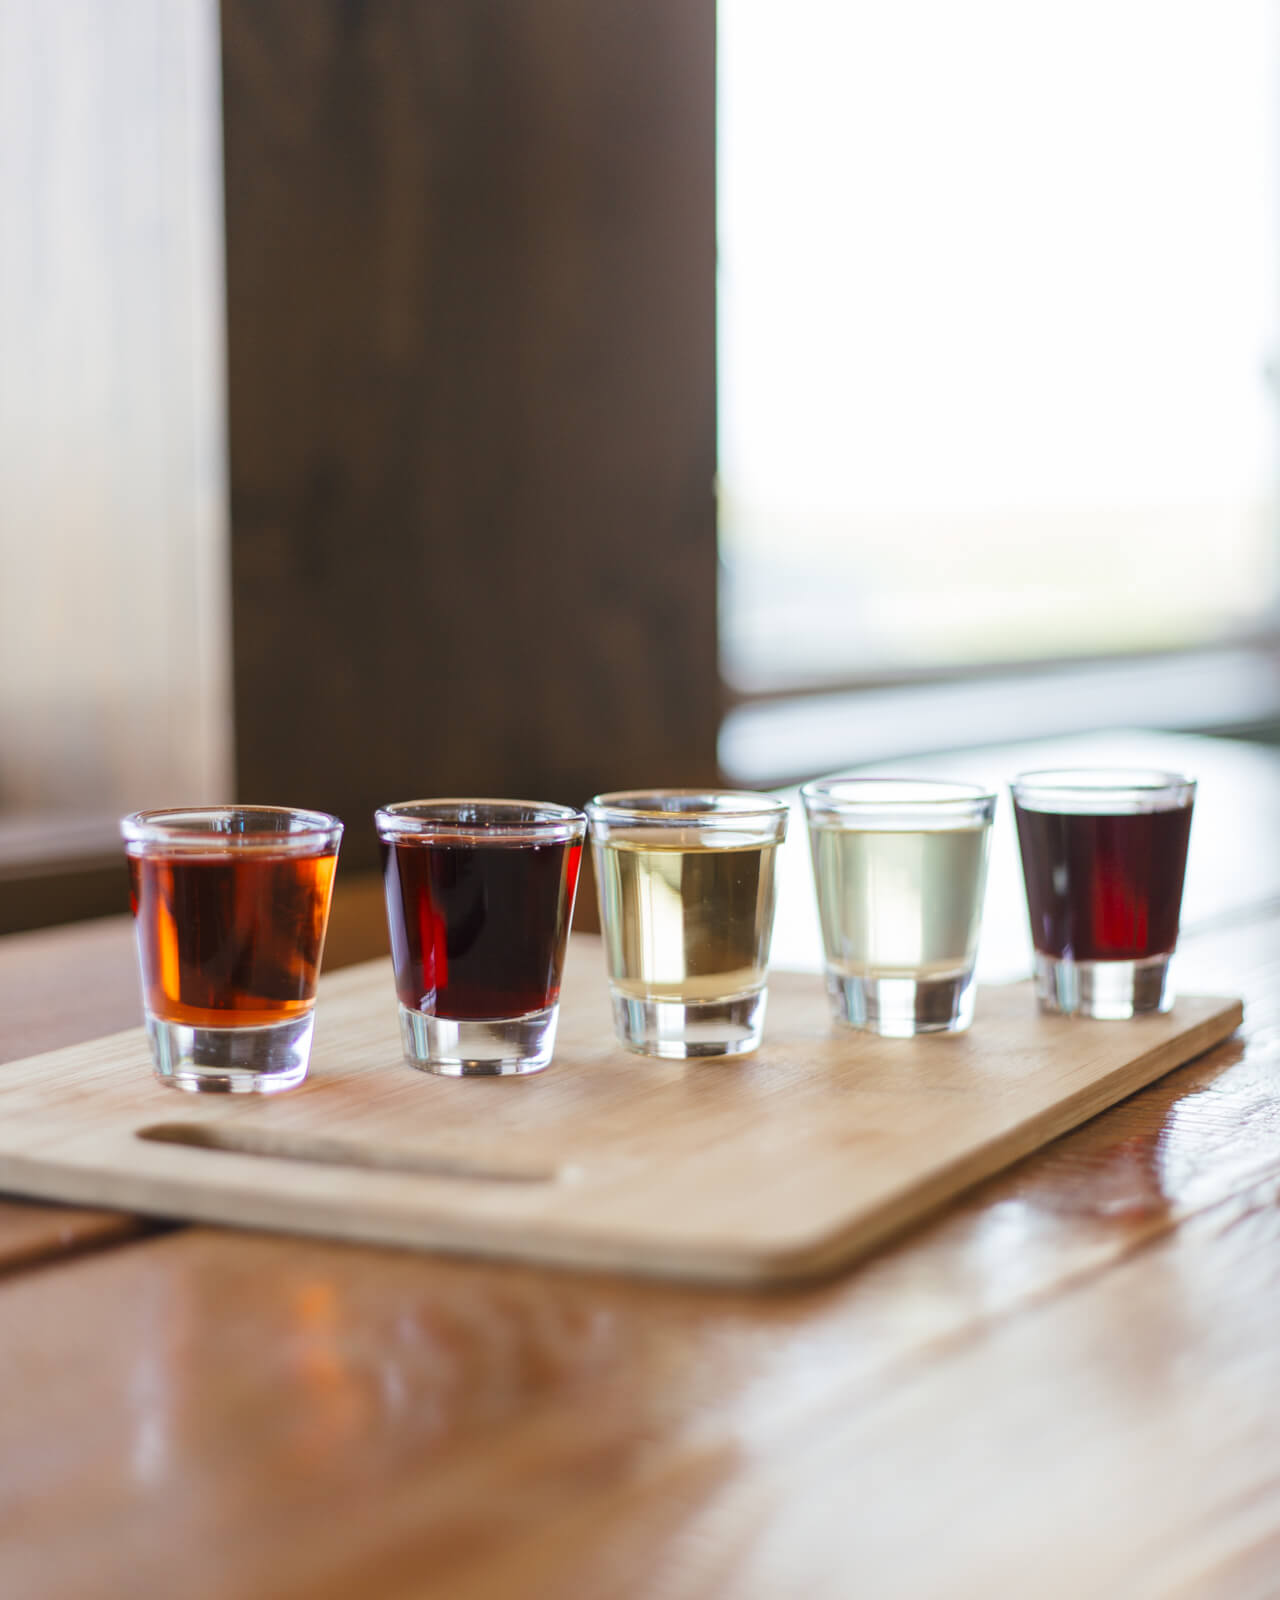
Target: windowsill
x=770, y=742
x=31, y=846
x=59, y=869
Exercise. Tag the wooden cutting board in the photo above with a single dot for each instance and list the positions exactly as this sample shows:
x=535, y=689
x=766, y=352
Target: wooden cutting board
x=760, y=1170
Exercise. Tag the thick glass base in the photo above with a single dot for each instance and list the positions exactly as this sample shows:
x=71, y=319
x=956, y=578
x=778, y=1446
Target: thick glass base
x=1110, y=990
x=231, y=1060
x=503, y=1048
x=683, y=1031
x=899, y=1008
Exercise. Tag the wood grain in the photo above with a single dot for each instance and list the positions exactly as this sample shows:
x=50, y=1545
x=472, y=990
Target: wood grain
x=471, y=333
x=758, y=1170
x=58, y=987
x=1117, y=1439
x=495, y=1430
x=1063, y=1385
x=32, y=1234
x=498, y=1430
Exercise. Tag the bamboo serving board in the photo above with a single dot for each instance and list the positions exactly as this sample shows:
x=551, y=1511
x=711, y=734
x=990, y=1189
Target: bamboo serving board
x=757, y=1170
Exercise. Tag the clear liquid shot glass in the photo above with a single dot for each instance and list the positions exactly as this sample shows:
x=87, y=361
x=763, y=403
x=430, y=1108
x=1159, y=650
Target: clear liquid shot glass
x=687, y=891
x=230, y=906
x=900, y=866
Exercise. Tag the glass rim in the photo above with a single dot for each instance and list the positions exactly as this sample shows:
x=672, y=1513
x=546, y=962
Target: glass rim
x=1103, y=788
x=627, y=806
x=445, y=816
x=933, y=797
x=187, y=827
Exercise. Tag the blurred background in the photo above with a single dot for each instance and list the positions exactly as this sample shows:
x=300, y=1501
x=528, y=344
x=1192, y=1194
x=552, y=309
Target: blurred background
x=998, y=298
x=457, y=396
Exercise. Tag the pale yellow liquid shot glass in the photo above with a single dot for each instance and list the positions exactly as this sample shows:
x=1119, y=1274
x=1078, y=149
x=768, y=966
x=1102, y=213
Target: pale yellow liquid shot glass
x=686, y=880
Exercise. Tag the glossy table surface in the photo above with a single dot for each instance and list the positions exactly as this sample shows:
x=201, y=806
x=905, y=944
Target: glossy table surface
x=1068, y=1383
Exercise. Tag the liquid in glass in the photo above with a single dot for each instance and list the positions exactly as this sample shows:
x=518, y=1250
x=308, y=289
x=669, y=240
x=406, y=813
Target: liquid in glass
x=900, y=868
x=478, y=930
x=230, y=907
x=480, y=898
x=1104, y=856
x=686, y=882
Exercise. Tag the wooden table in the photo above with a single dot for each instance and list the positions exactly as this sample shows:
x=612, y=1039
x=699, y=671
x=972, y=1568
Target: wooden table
x=1068, y=1384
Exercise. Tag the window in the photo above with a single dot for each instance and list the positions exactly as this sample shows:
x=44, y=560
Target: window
x=998, y=306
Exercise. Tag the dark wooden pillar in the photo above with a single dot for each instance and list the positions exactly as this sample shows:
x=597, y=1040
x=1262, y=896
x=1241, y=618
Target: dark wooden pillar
x=470, y=269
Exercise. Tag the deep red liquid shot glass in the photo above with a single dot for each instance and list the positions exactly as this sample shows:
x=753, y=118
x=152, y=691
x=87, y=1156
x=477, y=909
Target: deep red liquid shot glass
x=1104, y=853
x=480, y=897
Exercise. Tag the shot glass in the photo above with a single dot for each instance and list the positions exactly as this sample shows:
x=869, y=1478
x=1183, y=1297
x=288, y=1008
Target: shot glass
x=230, y=907
x=479, y=900
x=687, y=890
x=900, y=866
x=1104, y=853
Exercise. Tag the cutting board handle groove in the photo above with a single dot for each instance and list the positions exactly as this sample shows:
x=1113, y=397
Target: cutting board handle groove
x=336, y=1152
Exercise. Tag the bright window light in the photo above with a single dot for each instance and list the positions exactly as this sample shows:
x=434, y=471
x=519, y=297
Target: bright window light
x=998, y=302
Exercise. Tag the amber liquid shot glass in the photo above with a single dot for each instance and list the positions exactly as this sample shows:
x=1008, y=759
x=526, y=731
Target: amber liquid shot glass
x=230, y=907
